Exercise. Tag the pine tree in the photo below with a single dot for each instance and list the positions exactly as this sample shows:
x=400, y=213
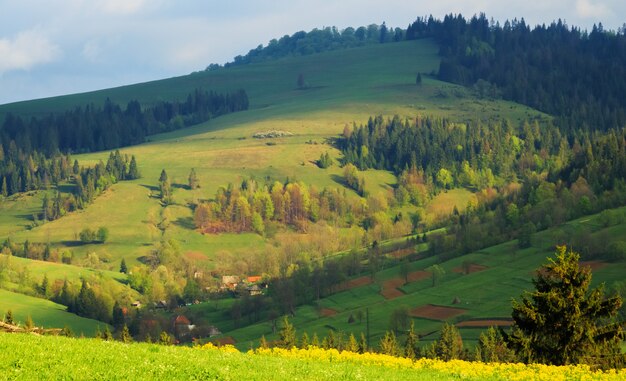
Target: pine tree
x=410, y=345
x=363, y=344
x=133, y=171
x=5, y=190
x=193, y=179
x=491, y=347
x=564, y=322
x=29, y=325
x=304, y=341
x=315, y=341
x=165, y=339
x=125, y=336
x=8, y=318
x=450, y=344
x=107, y=335
x=123, y=267
x=353, y=345
x=263, y=342
x=389, y=344
x=287, y=334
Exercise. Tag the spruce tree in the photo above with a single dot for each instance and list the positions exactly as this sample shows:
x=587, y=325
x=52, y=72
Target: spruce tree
x=133, y=171
x=410, y=345
x=123, y=267
x=287, y=334
x=564, y=322
x=389, y=344
x=125, y=336
x=353, y=345
x=193, y=179
x=450, y=344
x=8, y=318
x=107, y=335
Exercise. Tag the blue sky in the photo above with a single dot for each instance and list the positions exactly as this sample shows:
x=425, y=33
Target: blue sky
x=50, y=48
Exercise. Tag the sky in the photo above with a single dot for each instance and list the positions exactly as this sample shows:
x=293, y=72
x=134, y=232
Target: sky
x=50, y=48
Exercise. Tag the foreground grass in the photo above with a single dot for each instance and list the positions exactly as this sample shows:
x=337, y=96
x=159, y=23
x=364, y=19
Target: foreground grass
x=37, y=357
x=25, y=357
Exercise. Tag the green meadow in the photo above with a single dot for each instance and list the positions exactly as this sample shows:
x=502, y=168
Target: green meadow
x=343, y=88
x=482, y=295
x=45, y=313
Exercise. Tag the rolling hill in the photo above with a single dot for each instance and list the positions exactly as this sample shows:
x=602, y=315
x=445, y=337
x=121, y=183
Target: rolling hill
x=343, y=88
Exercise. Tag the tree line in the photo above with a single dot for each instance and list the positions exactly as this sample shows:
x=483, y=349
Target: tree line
x=92, y=128
x=562, y=321
x=577, y=76
x=89, y=183
x=440, y=154
x=318, y=40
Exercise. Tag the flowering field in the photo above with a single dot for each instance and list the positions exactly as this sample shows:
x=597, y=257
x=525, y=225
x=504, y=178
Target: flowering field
x=27, y=357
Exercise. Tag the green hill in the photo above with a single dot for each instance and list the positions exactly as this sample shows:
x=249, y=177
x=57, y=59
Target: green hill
x=342, y=88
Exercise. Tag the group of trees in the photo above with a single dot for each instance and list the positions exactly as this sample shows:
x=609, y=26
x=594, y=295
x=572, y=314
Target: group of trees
x=577, y=76
x=21, y=172
x=477, y=155
x=561, y=322
x=317, y=41
x=93, y=128
x=251, y=206
x=90, y=182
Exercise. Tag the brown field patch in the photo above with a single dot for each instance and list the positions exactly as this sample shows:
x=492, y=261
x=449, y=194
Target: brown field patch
x=595, y=265
x=486, y=323
x=196, y=256
x=326, y=312
x=226, y=340
x=416, y=276
x=390, y=288
x=401, y=253
x=354, y=283
x=472, y=268
x=430, y=311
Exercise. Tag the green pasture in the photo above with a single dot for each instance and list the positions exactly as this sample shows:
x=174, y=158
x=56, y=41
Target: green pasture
x=45, y=313
x=344, y=87
x=484, y=295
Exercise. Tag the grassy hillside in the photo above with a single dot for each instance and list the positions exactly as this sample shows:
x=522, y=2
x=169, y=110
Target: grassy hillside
x=38, y=357
x=344, y=87
x=496, y=275
x=45, y=313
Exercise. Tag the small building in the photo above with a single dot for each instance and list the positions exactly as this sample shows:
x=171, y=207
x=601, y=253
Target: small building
x=160, y=304
x=230, y=282
x=254, y=290
x=136, y=304
x=254, y=279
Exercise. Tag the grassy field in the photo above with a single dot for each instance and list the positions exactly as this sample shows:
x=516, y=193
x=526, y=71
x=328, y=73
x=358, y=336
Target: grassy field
x=45, y=313
x=505, y=272
x=345, y=87
x=25, y=357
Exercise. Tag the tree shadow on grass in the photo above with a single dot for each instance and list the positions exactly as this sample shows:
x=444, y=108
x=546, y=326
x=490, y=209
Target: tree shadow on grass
x=185, y=222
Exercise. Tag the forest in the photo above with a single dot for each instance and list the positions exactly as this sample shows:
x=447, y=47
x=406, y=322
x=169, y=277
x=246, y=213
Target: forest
x=92, y=128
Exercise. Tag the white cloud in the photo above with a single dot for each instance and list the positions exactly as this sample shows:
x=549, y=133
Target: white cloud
x=124, y=7
x=590, y=9
x=26, y=50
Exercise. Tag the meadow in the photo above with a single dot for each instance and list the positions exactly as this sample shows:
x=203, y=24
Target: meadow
x=474, y=299
x=343, y=88
x=24, y=356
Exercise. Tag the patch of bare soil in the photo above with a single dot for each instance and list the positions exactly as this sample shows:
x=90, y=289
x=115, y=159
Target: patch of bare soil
x=472, y=268
x=430, y=311
x=486, y=323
